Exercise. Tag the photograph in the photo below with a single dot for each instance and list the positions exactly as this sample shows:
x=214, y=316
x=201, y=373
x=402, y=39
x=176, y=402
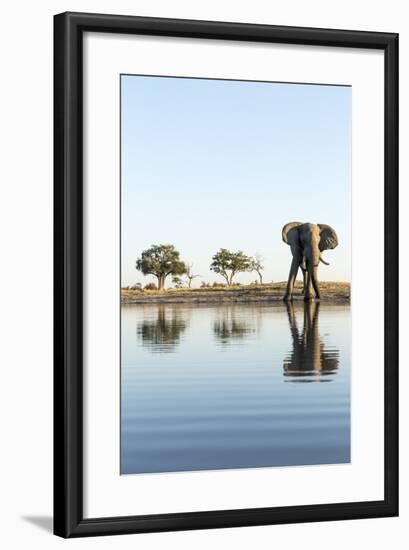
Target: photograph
x=226, y=329
x=235, y=262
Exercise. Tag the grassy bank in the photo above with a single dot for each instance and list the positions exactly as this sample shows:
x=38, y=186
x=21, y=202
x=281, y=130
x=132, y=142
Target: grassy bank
x=330, y=292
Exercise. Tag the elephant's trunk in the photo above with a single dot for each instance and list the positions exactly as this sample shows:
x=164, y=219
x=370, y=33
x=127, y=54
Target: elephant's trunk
x=323, y=261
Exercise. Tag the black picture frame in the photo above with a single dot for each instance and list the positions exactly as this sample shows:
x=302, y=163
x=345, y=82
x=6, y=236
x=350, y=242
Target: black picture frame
x=68, y=274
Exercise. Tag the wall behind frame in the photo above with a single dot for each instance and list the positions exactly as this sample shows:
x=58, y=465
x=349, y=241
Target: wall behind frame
x=26, y=274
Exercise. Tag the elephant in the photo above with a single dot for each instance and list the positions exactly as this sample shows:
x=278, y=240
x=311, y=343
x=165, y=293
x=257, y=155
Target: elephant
x=307, y=242
x=310, y=359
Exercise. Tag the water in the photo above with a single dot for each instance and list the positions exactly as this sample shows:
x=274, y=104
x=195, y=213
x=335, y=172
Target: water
x=234, y=386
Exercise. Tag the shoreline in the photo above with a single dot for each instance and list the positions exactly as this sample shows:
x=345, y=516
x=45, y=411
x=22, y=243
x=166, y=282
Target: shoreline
x=331, y=293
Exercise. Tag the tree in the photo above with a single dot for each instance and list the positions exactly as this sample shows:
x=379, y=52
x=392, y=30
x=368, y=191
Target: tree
x=161, y=260
x=256, y=264
x=177, y=281
x=189, y=274
x=227, y=264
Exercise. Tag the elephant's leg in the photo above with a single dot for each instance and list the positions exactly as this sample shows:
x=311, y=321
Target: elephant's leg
x=304, y=279
x=314, y=280
x=307, y=293
x=291, y=278
x=312, y=285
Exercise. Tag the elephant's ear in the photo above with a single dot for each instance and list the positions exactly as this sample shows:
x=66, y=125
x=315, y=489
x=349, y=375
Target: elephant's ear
x=328, y=237
x=289, y=236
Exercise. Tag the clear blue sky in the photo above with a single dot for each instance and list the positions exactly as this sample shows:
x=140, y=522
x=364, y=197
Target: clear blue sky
x=216, y=163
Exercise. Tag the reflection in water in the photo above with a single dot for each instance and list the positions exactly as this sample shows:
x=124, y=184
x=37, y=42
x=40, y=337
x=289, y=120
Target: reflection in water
x=202, y=386
x=162, y=334
x=230, y=325
x=310, y=359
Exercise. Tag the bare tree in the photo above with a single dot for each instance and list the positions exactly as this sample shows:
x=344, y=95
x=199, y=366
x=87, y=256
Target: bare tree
x=189, y=274
x=256, y=264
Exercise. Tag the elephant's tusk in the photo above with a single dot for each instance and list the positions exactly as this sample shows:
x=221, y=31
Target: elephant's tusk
x=323, y=261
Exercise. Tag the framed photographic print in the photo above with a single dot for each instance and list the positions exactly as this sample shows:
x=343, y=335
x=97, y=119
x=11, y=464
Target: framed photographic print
x=226, y=274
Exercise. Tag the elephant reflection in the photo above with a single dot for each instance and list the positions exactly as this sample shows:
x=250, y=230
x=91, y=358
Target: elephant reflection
x=310, y=360
x=163, y=333
x=230, y=325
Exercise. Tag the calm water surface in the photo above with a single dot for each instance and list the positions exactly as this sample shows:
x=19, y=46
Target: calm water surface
x=234, y=386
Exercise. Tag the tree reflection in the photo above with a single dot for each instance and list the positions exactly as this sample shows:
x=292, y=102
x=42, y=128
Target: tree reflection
x=163, y=333
x=310, y=359
x=231, y=325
